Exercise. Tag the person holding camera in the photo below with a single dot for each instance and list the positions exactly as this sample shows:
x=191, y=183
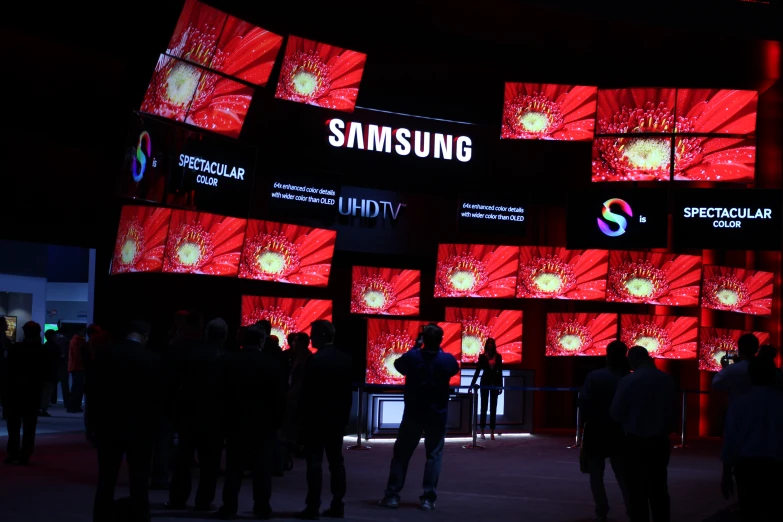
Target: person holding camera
x=734, y=377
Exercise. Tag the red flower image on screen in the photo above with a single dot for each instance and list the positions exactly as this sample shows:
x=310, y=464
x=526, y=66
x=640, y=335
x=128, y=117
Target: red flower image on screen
x=480, y=324
x=213, y=39
x=184, y=92
x=557, y=273
x=385, y=291
x=141, y=239
x=201, y=243
x=287, y=315
x=319, y=74
x=715, y=159
x=546, y=111
x=287, y=253
x=664, y=336
x=476, y=271
x=634, y=111
x=715, y=343
x=653, y=278
x=716, y=111
x=579, y=334
x=737, y=290
x=388, y=339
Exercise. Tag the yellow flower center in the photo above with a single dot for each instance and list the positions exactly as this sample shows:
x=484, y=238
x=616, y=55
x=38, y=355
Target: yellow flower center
x=639, y=286
x=374, y=299
x=182, y=83
x=648, y=153
x=727, y=297
x=548, y=282
x=388, y=363
x=650, y=343
x=128, y=251
x=304, y=82
x=189, y=254
x=571, y=342
x=271, y=262
x=471, y=346
x=534, y=121
x=463, y=280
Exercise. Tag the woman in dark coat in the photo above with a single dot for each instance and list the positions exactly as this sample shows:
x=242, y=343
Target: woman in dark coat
x=490, y=366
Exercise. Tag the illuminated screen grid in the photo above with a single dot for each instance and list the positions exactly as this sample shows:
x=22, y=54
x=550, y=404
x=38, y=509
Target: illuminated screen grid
x=675, y=134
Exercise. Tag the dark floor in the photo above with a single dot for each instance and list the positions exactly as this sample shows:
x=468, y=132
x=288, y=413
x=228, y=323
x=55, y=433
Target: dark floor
x=533, y=478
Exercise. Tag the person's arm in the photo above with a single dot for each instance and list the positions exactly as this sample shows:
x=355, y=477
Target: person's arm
x=722, y=380
x=479, y=368
x=402, y=364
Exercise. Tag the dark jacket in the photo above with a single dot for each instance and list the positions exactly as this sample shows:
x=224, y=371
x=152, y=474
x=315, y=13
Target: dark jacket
x=327, y=394
x=52, y=354
x=253, y=393
x=427, y=375
x=198, y=385
x=602, y=436
x=128, y=384
x=490, y=376
x=28, y=368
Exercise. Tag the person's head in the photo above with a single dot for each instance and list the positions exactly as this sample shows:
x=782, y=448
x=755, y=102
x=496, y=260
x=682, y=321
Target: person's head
x=272, y=342
x=747, y=346
x=768, y=352
x=265, y=325
x=638, y=356
x=50, y=335
x=255, y=336
x=322, y=333
x=616, y=354
x=139, y=330
x=100, y=341
x=290, y=339
x=301, y=342
x=181, y=321
x=239, y=337
x=216, y=331
x=762, y=372
x=90, y=331
x=432, y=336
x=32, y=331
x=490, y=348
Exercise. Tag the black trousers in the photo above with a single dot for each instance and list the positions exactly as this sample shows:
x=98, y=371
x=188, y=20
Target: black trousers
x=759, y=482
x=489, y=399
x=138, y=455
x=330, y=441
x=208, y=444
x=77, y=392
x=646, y=461
x=241, y=449
x=16, y=418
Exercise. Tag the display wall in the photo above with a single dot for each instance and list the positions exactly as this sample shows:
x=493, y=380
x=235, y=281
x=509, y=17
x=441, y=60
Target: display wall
x=423, y=197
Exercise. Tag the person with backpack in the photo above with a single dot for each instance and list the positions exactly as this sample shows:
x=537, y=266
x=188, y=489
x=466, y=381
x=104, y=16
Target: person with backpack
x=427, y=370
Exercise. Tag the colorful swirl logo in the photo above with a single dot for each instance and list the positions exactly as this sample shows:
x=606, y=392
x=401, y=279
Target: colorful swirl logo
x=611, y=217
x=143, y=151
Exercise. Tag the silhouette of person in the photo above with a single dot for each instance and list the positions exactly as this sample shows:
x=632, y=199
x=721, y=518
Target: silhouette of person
x=299, y=353
x=427, y=372
x=734, y=378
x=198, y=407
x=644, y=405
x=770, y=353
x=5, y=345
x=490, y=366
x=52, y=354
x=603, y=436
x=28, y=366
x=325, y=406
x=752, y=447
x=125, y=412
x=254, y=389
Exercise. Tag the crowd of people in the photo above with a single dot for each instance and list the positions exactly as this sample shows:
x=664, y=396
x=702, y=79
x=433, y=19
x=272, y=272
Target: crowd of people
x=260, y=405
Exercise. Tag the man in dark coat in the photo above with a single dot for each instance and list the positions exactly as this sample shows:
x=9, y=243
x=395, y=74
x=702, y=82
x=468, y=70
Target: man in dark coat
x=28, y=366
x=128, y=385
x=603, y=436
x=254, y=400
x=325, y=406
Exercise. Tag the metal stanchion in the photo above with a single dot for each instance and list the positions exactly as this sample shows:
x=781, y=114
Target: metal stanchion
x=475, y=444
x=578, y=441
x=684, y=421
x=359, y=419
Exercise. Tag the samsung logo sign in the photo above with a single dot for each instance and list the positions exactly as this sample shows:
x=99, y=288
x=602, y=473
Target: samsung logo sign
x=401, y=141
